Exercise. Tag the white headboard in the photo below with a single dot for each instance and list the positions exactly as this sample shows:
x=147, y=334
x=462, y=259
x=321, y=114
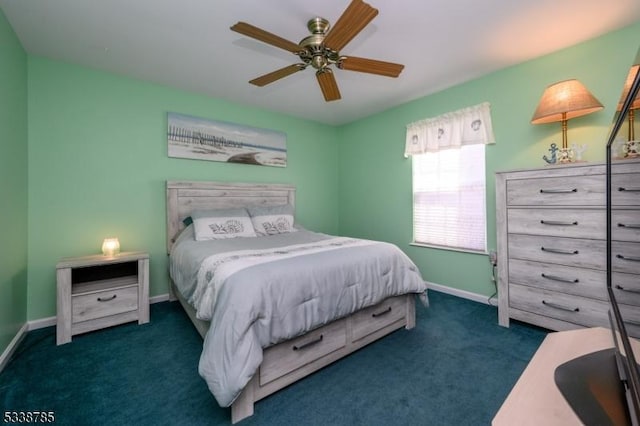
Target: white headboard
x=183, y=197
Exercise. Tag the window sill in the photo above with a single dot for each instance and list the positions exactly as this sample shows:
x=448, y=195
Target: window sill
x=460, y=250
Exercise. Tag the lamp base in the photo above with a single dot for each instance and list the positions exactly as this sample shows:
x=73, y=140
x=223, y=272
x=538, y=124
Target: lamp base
x=560, y=155
x=566, y=155
x=631, y=149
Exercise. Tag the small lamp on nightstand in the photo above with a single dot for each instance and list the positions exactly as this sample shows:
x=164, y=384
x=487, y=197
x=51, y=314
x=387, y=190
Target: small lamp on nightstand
x=560, y=102
x=110, y=246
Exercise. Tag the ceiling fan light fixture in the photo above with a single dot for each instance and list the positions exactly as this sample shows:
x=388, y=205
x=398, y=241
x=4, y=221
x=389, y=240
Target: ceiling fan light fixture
x=319, y=62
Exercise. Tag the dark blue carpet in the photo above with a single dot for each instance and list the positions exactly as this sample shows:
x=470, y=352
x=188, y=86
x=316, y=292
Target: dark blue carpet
x=455, y=368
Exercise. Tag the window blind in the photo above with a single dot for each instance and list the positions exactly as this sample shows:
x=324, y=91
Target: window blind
x=449, y=198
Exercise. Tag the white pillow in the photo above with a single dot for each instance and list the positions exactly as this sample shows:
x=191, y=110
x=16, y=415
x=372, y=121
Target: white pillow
x=222, y=224
x=272, y=220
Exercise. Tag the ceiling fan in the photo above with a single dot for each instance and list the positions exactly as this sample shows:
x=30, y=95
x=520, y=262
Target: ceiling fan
x=322, y=49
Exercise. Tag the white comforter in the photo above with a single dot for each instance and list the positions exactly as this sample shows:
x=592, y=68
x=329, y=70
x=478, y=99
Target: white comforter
x=290, y=284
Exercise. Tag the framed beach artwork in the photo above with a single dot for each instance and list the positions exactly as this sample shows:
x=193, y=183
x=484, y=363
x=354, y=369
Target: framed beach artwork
x=202, y=139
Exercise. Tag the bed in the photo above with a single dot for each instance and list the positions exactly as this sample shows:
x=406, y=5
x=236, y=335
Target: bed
x=292, y=355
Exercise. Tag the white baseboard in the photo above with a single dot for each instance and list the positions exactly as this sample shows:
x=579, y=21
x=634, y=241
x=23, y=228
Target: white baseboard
x=481, y=298
x=41, y=323
x=13, y=345
x=47, y=322
x=51, y=321
x=159, y=298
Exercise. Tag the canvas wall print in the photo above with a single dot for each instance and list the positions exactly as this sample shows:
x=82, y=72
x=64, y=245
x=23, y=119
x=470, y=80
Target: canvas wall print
x=202, y=139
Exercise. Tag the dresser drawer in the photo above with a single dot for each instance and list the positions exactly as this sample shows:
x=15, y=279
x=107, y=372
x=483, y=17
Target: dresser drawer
x=625, y=225
x=626, y=288
x=372, y=319
x=588, y=190
x=104, y=303
x=625, y=189
x=572, y=223
x=565, y=279
x=564, y=251
x=288, y=356
x=625, y=257
x=565, y=307
x=631, y=318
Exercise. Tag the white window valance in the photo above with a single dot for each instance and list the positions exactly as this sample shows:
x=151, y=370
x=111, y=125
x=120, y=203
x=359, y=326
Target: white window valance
x=467, y=126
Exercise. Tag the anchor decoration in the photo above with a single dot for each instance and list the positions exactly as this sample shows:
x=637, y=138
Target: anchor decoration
x=554, y=149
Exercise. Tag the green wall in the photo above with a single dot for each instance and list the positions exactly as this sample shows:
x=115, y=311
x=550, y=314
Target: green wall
x=13, y=184
x=98, y=165
x=97, y=159
x=375, y=178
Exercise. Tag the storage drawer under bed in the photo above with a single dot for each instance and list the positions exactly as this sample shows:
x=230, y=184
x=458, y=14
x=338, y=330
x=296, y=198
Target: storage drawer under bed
x=375, y=318
x=286, y=357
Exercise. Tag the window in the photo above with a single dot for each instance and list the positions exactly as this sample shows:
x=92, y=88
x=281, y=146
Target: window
x=449, y=178
x=449, y=198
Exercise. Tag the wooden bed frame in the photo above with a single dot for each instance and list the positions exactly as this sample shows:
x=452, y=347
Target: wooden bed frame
x=289, y=361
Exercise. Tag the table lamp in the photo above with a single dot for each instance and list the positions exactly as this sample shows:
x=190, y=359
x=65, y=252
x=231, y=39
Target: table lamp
x=562, y=101
x=636, y=102
x=110, y=247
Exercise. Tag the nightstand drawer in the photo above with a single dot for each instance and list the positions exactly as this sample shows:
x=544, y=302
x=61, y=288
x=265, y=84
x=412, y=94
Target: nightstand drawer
x=104, y=303
x=588, y=190
x=571, y=223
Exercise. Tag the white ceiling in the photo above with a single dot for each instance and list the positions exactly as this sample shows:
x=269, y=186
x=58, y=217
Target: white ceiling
x=187, y=44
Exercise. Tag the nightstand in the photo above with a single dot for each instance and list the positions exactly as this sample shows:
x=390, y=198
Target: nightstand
x=99, y=291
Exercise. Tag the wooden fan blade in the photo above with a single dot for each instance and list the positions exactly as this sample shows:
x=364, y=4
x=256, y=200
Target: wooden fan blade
x=371, y=66
x=263, y=80
x=266, y=37
x=328, y=85
x=353, y=20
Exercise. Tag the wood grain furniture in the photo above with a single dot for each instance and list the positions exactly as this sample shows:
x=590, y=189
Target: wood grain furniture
x=535, y=399
x=95, y=292
x=291, y=360
x=551, y=245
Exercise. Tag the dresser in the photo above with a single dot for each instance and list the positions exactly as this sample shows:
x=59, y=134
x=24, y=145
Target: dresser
x=551, y=241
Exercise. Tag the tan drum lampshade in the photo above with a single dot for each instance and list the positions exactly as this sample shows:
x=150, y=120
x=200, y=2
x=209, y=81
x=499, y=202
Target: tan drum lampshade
x=562, y=101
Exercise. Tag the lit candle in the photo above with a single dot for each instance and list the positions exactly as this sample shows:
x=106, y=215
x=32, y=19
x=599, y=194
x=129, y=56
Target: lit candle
x=110, y=246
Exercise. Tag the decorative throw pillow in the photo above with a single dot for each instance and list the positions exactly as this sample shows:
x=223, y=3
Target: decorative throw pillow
x=272, y=220
x=222, y=224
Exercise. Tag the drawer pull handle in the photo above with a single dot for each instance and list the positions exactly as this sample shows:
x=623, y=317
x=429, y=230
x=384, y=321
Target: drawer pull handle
x=559, y=251
x=557, y=278
x=629, y=225
x=558, y=222
x=558, y=191
x=629, y=189
x=629, y=258
x=564, y=308
x=306, y=345
x=379, y=314
x=631, y=322
x=107, y=299
x=628, y=290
